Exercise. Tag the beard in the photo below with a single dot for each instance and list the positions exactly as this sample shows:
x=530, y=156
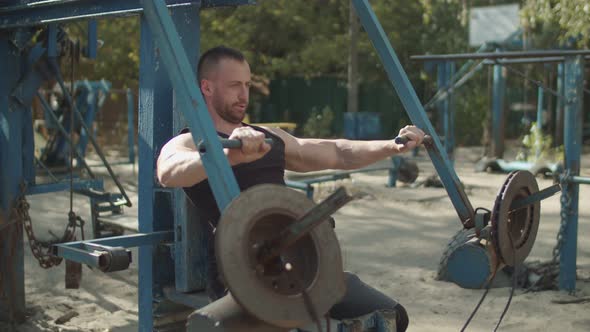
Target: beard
x=227, y=113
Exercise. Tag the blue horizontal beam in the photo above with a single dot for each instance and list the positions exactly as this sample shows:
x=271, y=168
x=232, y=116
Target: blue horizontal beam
x=579, y=179
x=501, y=55
x=81, y=253
x=126, y=241
x=64, y=185
x=77, y=255
x=44, y=12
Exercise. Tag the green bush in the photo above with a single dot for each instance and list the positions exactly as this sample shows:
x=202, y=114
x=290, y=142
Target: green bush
x=539, y=147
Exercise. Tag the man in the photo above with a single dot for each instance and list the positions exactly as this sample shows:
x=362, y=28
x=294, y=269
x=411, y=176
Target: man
x=224, y=78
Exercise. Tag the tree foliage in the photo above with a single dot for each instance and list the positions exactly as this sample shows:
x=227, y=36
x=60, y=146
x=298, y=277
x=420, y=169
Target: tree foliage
x=565, y=20
x=288, y=38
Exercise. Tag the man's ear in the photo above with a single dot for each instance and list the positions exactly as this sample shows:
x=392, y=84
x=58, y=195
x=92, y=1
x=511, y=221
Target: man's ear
x=206, y=88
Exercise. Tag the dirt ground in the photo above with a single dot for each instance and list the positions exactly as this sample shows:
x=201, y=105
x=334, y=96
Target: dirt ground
x=392, y=238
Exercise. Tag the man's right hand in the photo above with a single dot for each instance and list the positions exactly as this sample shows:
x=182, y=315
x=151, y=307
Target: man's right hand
x=253, y=146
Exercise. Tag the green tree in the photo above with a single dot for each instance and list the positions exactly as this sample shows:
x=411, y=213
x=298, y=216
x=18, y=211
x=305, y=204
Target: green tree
x=118, y=57
x=565, y=20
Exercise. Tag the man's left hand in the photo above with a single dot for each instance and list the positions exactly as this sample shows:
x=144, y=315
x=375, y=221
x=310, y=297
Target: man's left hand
x=414, y=135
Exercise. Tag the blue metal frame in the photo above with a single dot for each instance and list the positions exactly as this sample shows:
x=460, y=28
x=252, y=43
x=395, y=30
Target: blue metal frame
x=92, y=36
x=445, y=78
x=88, y=102
x=190, y=100
x=154, y=210
x=43, y=12
x=498, y=93
x=79, y=252
x=559, y=104
x=540, y=98
x=77, y=184
x=130, y=125
x=190, y=247
x=414, y=109
x=14, y=118
x=573, y=122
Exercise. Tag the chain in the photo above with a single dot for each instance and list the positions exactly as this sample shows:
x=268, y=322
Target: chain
x=41, y=250
x=564, y=214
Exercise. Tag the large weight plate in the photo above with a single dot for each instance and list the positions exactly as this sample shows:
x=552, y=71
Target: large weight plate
x=514, y=232
x=268, y=292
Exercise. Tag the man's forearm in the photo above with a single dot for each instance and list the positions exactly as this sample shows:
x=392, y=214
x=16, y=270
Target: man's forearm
x=358, y=154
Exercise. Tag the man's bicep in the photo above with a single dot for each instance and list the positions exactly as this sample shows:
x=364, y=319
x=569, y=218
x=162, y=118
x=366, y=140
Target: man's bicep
x=180, y=143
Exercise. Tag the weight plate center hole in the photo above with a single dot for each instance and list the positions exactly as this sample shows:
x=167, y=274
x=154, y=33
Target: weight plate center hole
x=301, y=257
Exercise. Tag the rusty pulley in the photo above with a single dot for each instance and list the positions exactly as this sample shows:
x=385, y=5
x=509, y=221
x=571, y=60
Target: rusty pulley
x=304, y=281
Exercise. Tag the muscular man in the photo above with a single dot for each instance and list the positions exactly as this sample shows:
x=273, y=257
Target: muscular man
x=224, y=78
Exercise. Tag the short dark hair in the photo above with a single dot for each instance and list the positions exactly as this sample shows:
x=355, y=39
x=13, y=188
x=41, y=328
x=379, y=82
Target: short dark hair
x=213, y=56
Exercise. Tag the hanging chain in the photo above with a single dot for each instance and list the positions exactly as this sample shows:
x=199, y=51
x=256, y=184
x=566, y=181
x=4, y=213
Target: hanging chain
x=41, y=250
x=565, y=212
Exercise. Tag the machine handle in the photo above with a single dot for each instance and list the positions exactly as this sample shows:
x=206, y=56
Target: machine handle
x=404, y=139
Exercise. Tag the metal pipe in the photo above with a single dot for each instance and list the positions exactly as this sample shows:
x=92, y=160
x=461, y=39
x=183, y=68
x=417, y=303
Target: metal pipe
x=444, y=93
x=304, y=225
x=573, y=116
x=526, y=60
x=43, y=12
x=500, y=55
x=498, y=114
x=190, y=100
x=579, y=179
x=130, y=126
x=400, y=81
x=539, y=123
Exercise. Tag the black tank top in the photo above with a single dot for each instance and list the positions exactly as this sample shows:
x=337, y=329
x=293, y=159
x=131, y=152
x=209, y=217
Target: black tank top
x=268, y=169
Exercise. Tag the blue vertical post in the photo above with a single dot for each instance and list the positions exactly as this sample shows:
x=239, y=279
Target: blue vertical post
x=443, y=105
x=190, y=251
x=450, y=123
x=559, y=105
x=396, y=162
x=539, y=123
x=154, y=207
x=12, y=156
x=573, y=122
x=498, y=123
x=90, y=107
x=131, y=126
x=92, y=45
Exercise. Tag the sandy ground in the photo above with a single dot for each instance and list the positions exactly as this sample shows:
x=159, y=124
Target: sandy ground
x=392, y=238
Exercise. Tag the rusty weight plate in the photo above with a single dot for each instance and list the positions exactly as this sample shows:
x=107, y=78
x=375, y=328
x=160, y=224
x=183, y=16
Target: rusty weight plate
x=269, y=292
x=514, y=232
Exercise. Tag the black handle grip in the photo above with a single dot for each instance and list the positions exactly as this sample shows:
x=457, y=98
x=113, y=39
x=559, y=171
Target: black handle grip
x=404, y=139
x=232, y=144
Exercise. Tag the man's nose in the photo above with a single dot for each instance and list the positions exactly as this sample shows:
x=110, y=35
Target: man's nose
x=244, y=93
